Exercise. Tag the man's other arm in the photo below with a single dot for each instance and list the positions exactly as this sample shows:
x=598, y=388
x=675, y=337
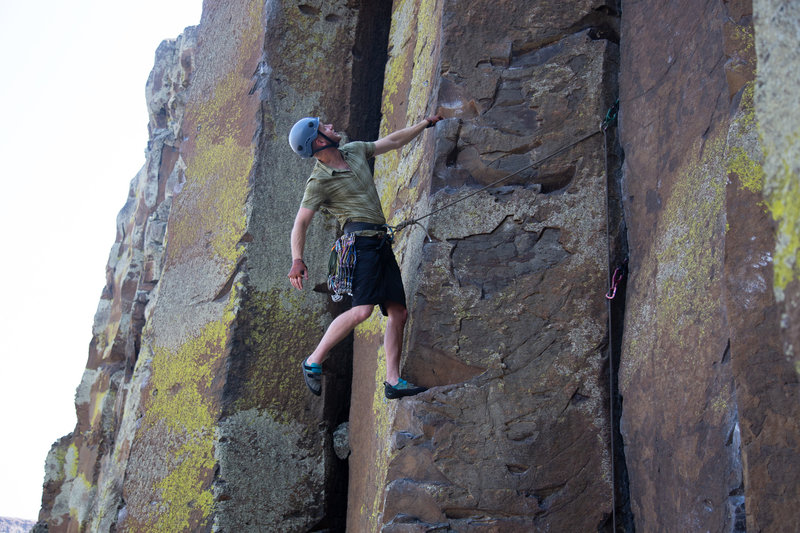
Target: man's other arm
x=298, y=243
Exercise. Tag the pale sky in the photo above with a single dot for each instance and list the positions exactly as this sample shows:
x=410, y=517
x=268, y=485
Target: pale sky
x=73, y=129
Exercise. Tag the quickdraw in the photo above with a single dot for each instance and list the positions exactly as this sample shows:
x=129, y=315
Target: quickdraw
x=341, y=266
x=611, y=116
x=615, y=279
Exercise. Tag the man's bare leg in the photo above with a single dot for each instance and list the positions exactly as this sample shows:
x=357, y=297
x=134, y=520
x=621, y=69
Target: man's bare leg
x=340, y=328
x=393, y=340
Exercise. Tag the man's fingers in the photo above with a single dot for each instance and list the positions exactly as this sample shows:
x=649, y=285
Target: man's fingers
x=297, y=273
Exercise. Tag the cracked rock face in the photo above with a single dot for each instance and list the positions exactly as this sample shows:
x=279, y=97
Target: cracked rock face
x=711, y=395
x=507, y=314
x=83, y=482
x=192, y=414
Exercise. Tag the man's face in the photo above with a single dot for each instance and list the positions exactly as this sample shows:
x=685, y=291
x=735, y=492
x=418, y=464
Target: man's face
x=329, y=132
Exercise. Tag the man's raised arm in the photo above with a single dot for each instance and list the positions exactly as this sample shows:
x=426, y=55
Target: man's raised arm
x=399, y=138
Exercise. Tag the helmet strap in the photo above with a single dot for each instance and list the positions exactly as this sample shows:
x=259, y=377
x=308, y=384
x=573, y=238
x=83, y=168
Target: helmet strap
x=333, y=144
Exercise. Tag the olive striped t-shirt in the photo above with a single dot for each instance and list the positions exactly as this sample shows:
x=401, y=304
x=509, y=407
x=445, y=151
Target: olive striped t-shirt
x=346, y=194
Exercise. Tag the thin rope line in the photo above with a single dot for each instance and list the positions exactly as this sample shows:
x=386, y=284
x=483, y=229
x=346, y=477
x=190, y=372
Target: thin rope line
x=538, y=162
x=610, y=341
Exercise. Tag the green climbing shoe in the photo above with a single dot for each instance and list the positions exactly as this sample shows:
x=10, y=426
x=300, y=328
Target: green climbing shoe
x=402, y=389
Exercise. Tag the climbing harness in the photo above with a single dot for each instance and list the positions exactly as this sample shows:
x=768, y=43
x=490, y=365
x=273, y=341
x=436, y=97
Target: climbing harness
x=343, y=257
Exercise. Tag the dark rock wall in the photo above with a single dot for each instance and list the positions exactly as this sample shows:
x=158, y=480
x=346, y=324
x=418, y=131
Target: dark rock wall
x=507, y=309
x=192, y=415
x=710, y=392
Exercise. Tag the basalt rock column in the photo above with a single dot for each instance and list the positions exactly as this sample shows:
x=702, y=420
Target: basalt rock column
x=84, y=470
x=710, y=396
x=507, y=310
x=180, y=372
x=313, y=64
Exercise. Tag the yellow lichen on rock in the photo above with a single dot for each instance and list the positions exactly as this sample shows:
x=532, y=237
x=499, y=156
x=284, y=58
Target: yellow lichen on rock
x=686, y=251
x=220, y=158
x=783, y=199
x=182, y=409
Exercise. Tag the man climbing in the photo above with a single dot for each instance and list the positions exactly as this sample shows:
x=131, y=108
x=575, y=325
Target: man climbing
x=342, y=184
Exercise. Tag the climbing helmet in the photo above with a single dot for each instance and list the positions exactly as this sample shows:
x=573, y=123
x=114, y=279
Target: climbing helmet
x=303, y=134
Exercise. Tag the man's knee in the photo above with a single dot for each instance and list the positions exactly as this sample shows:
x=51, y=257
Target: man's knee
x=397, y=313
x=361, y=312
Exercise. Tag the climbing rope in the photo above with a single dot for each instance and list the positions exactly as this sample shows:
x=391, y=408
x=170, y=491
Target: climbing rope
x=615, y=279
x=536, y=163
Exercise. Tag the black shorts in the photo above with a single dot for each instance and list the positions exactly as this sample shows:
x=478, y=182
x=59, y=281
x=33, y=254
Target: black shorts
x=376, y=279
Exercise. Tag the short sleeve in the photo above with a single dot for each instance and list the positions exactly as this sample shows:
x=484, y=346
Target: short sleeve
x=362, y=148
x=313, y=196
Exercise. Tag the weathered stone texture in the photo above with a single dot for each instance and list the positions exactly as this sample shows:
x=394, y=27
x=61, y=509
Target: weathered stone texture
x=309, y=68
x=507, y=317
x=89, y=464
x=710, y=401
x=192, y=414
x=777, y=41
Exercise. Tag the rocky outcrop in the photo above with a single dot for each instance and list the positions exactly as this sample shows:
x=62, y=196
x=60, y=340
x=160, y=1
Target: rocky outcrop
x=192, y=376
x=709, y=381
x=508, y=321
x=15, y=525
x=192, y=415
x=85, y=470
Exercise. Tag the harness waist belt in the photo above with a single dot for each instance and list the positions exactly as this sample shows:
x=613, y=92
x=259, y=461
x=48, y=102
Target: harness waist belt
x=352, y=227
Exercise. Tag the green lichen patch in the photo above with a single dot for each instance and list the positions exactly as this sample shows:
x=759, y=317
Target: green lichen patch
x=81, y=493
x=383, y=413
x=184, y=408
x=400, y=33
x=682, y=271
x=743, y=159
x=408, y=83
x=55, y=465
x=219, y=164
x=689, y=252
x=749, y=172
x=271, y=340
x=783, y=199
x=71, y=461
